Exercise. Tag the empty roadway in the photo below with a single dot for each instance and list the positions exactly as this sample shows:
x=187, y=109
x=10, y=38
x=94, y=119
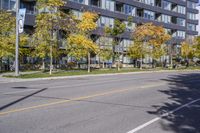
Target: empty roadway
x=165, y=102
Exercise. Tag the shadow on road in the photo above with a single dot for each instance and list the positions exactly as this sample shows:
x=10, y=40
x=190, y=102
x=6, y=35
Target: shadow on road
x=183, y=89
x=21, y=99
x=21, y=87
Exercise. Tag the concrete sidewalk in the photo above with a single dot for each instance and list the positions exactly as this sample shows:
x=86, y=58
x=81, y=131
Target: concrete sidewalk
x=8, y=80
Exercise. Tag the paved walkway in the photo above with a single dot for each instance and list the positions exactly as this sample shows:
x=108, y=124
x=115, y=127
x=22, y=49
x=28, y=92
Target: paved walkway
x=7, y=80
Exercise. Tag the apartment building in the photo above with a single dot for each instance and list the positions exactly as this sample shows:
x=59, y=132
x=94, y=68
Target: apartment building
x=198, y=16
x=178, y=17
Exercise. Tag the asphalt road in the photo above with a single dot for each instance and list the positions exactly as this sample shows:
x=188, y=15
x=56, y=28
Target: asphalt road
x=125, y=103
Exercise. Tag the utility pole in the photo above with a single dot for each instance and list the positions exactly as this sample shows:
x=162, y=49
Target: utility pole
x=51, y=59
x=17, y=40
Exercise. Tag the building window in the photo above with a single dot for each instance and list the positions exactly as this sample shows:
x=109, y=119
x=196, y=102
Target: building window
x=7, y=4
x=149, y=2
x=191, y=27
x=149, y=15
x=167, y=5
x=166, y=18
x=181, y=21
x=191, y=4
x=106, y=21
x=181, y=9
x=12, y=4
x=191, y=16
x=79, y=1
x=95, y=3
x=129, y=10
x=180, y=34
x=108, y=5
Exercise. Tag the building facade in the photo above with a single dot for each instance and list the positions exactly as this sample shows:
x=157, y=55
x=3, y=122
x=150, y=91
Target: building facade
x=178, y=17
x=198, y=16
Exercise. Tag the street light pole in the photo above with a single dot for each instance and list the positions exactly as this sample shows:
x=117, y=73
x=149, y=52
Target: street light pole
x=17, y=40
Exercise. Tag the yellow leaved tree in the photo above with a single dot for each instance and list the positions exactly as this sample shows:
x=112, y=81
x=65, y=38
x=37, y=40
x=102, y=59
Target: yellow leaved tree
x=8, y=36
x=137, y=51
x=105, y=54
x=152, y=37
x=186, y=50
x=196, y=47
x=50, y=21
x=80, y=43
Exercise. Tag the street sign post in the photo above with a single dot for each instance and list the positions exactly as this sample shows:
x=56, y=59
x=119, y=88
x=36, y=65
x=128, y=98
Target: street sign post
x=20, y=18
x=17, y=40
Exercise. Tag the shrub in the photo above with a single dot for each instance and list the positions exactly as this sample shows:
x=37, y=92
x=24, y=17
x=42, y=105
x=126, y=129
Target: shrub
x=71, y=65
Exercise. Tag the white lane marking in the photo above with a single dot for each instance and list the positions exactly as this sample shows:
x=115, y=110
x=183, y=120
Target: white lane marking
x=15, y=92
x=144, y=125
x=163, y=115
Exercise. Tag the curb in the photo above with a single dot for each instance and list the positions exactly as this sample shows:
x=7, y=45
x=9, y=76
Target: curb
x=15, y=80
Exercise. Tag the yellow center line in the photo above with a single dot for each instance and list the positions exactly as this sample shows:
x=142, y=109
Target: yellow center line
x=74, y=99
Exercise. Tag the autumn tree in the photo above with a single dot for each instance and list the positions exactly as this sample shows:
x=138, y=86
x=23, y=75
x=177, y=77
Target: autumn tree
x=7, y=27
x=105, y=45
x=186, y=50
x=137, y=51
x=80, y=43
x=50, y=20
x=196, y=47
x=43, y=39
x=158, y=51
x=116, y=31
x=8, y=36
x=152, y=36
x=105, y=54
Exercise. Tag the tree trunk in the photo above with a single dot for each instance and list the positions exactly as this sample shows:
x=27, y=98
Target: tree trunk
x=118, y=67
x=89, y=62
x=8, y=64
x=141, y=63
x=77, y=64
x=114, y=54
x=153, y=63
x=1, y=64
x=171, y=57
x=99, y=62
x=118, y=52
x=43, y=64
x=187, y=62
x=135, y=64
x=103, y=65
